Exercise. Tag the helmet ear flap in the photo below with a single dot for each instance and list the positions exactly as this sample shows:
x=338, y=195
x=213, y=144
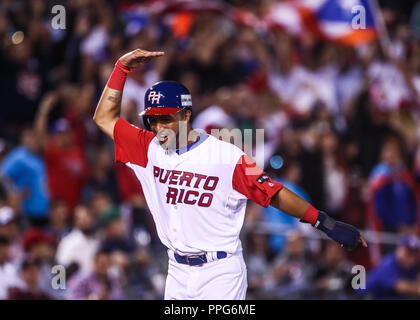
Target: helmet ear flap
x=146, y=123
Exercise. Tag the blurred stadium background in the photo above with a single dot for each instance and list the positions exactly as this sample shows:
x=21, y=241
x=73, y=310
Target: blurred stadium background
x=339, y=106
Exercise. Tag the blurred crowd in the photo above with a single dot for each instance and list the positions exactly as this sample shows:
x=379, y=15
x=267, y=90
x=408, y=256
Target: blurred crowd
x=341, y=129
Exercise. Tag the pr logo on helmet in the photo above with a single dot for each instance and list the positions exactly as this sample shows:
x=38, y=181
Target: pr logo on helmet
x=154, y=97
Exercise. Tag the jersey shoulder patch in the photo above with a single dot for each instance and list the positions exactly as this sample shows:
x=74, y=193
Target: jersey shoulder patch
x=251, y=181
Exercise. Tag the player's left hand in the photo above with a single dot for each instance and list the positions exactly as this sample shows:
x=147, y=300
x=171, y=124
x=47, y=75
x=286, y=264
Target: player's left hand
x=362, y=242
x=345, y=234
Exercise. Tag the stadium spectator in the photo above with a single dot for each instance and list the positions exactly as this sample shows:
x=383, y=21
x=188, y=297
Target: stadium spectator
x=144, y=277
x=41, y=247
x=79, y=246
x=292, y=270
x=332, y=276
x=100, y=202
x=9, y=230
x=8, y=269
x=335, y=176
x=103, y=177
x=59, y=219
x=26, y=170
x=394, y=203
x=28, y=288
x=396, y=277
x=115, y=237
x=66, y=165
x=99, y=284
x=258, y=260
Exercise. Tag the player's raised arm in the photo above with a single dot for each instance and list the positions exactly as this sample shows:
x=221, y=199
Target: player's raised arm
x=109, y=106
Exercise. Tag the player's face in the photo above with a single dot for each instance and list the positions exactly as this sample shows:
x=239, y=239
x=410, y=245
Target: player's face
x=167, y=128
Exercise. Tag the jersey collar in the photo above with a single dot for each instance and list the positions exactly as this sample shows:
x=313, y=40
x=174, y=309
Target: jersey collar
x=201, y=138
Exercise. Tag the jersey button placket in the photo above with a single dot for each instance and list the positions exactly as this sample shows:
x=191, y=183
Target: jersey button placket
x=174, y=222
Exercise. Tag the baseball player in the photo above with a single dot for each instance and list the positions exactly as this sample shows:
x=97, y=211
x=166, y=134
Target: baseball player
x=198, y=206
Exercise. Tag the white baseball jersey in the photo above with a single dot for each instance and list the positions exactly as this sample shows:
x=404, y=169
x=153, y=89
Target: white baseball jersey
x=197, y=197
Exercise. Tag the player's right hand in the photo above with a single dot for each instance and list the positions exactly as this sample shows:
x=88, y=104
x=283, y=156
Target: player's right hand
x=132, y=59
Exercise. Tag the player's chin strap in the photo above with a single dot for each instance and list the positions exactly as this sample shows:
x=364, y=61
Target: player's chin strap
x=343, y=233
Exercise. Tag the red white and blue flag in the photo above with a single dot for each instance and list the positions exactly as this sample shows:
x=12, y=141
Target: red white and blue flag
x=348, y=22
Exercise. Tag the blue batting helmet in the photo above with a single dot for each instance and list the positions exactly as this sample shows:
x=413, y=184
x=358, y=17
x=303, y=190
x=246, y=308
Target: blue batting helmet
x=166, y=97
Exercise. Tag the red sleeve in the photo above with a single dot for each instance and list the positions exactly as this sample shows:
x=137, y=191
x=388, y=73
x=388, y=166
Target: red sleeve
x=131, y=143
x=128, y=185
x=251, y=181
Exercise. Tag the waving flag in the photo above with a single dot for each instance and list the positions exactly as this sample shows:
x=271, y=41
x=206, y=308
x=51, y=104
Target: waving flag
x=338, y=21
x=348, y=22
